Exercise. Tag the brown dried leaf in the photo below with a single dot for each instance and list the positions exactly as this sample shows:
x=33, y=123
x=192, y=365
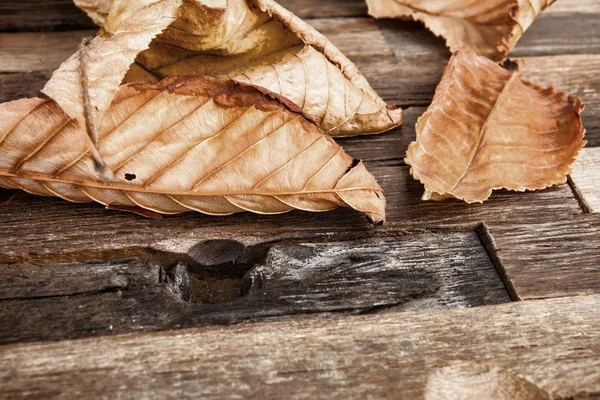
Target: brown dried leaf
x=217, y=147
x=85, y=85
x=488, y=27
x=261, y=43
x=486, y=129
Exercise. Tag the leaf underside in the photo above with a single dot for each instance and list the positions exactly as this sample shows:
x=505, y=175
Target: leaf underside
x=261, y=43
x=488, y=27
x=486, y=129
x=214, y=146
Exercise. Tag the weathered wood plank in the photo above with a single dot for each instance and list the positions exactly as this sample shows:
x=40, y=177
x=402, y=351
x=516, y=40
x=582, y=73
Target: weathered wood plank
x=585, y=179
x=560, y=33
x=31, y=281
x=544, y=37
x=62, y=15
x=44, y=52
x=575, y=74
x=38, y=52
x=443, y=270
x=48, y=15
x=18, y=85
x=355, y=37
x=574, y=6
x=533, y=349
x=35, y=228
x=556, y=258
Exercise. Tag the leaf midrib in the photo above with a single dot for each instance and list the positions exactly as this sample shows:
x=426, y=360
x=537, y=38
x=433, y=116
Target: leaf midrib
x=483, y=131
x=139, y=189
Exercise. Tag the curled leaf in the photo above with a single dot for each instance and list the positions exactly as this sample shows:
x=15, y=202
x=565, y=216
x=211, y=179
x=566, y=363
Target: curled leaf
x=85, y=85
x=261, y=43
x=489, y=27
x=218, y=147
x=486, y=129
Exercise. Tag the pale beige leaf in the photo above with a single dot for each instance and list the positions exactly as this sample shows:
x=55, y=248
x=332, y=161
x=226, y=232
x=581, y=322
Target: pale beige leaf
x=486, y=129
x=97, y=10
x=260, y=42
x=218, y=147
x=98, y=68
x=488, y=27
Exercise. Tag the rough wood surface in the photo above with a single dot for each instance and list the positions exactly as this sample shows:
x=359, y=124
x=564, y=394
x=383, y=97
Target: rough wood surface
x=551, y=259
x=402, y=273
x=53, y=230
x=52, y=15
x=585, y=179
x=527, y=350
x=80, y=271
x=402, y=61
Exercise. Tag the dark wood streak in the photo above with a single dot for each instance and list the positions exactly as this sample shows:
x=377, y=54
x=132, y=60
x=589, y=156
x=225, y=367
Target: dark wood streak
x=406, y=273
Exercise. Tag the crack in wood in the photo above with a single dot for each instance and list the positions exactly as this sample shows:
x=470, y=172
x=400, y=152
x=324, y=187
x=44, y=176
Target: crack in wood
x=488, y=243
x=585, y=207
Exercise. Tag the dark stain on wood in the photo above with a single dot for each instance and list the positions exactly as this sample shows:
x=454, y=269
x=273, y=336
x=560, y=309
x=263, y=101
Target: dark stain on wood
x=370, y=275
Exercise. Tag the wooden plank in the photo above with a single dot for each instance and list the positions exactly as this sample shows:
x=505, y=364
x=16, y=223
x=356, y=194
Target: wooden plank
x=428, y=271
x=329, y=8
x=19, y=85
x=44, y=52
x=543, y=38
x=575, y=74
x=547, y=35
x=52, y=15
x=556, y=258
x=355, y=37
x=535, y=349
x=38, y=52
x=574, y=6
x=31, y=281
x=47, y=15
x=585, y=178
x=50, y=229
x=62, y=15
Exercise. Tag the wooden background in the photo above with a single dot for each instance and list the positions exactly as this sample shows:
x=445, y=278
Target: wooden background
x=500, y=300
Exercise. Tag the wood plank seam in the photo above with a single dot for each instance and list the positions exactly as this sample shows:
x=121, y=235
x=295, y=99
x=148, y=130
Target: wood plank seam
x=585, y=207
x=489, y=244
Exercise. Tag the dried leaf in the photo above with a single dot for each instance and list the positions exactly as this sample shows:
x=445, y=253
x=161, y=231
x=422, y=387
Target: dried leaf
x=85, y=85
x=97, y=10
x=488, y=27
x=486, y=129
x=217, y=147
x=261, y=43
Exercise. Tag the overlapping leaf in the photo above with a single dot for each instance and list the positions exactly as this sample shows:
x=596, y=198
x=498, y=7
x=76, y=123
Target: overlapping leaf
x=85, y=84
x=486, y=129
x=260, y=42
x=488, y=27
x=201, y=144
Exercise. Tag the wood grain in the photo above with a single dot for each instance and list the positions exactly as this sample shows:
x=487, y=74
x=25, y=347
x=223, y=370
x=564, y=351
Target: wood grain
x=550, y=259
x=53, y=230
x=53, y=15
x=38, y=52
x=585, y=178
x=542, y=38
x=403, y=273
x=532, y=349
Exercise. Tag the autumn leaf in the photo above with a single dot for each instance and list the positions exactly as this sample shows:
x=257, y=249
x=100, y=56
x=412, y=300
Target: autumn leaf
x=489, y=27
x=486, y=129
x=259, y=42
x=85, y=85
x=194, y=143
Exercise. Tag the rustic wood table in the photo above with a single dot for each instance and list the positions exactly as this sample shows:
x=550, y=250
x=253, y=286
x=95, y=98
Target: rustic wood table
x=500, y=300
